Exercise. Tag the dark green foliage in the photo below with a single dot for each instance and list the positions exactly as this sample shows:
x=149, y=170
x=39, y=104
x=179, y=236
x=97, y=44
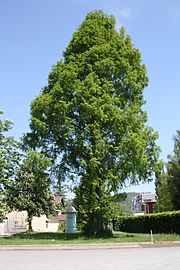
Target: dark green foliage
x=89, y=119
x=167, y=222
x=173, y=172
x=168, y=184
x=48, y=235
x=164, y=200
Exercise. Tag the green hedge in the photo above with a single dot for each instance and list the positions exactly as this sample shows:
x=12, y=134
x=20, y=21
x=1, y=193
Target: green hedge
x=166, y=222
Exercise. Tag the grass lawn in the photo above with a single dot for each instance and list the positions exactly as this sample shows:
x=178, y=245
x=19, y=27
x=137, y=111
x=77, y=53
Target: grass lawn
x=37, y=238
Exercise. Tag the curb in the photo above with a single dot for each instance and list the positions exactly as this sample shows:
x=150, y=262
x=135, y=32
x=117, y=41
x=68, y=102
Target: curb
x=71, y=247
x=89, y=246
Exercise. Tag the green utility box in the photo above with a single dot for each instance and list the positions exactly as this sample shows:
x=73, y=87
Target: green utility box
x=71, y=220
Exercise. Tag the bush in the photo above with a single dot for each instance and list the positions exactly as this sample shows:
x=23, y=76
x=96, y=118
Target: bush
x=61, y=227
x=166, y=222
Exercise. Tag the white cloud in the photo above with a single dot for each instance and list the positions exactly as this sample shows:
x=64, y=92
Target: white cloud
x=125, y=10
x=122, y=15
x=125, y=13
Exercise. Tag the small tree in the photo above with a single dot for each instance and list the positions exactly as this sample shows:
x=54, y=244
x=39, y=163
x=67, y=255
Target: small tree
x=9, y=161
x=30, y=189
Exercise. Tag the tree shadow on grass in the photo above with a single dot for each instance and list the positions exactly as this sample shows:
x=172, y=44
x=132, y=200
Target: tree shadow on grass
x=66, y=236
x=46, y=235
x=123, y=235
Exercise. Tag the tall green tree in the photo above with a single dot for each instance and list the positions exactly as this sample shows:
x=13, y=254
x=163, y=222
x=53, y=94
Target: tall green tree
x=168, y=184
x=173, y=171
x=89, y=118
x=164, y=200
x=30, y=189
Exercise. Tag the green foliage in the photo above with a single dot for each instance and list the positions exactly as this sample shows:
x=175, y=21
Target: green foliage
x=168, y=184
x=9, y=155
x=3, y=210
x=173, y=172
x=30, y=189
x=164, y=201
x=166, y=222
x=9, y=160
x=89, y=118
x=62, y=227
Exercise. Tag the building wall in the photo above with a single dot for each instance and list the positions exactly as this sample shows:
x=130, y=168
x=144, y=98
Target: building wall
x=17, y=222
x=39, y=223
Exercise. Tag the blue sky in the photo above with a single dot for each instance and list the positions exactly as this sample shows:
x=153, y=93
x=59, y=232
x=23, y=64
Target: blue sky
x=34, y=33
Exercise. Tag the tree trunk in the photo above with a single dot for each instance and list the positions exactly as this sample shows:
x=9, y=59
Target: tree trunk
x=30, y=224
x=94, y=226
x=99, y=224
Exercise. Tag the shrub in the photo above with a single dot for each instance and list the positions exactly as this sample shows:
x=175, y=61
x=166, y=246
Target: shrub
x=166, y=222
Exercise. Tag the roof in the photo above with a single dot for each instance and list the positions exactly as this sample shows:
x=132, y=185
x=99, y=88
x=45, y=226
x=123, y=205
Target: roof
x=62, y=217
x=148, y=197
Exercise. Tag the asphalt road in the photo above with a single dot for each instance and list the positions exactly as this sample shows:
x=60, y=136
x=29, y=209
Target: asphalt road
x=166, y=258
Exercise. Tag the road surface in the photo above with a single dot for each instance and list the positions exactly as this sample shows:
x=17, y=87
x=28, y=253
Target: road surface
x=165, y=258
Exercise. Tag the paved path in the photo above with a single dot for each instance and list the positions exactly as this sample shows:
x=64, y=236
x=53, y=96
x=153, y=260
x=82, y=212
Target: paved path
x=157, y=258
